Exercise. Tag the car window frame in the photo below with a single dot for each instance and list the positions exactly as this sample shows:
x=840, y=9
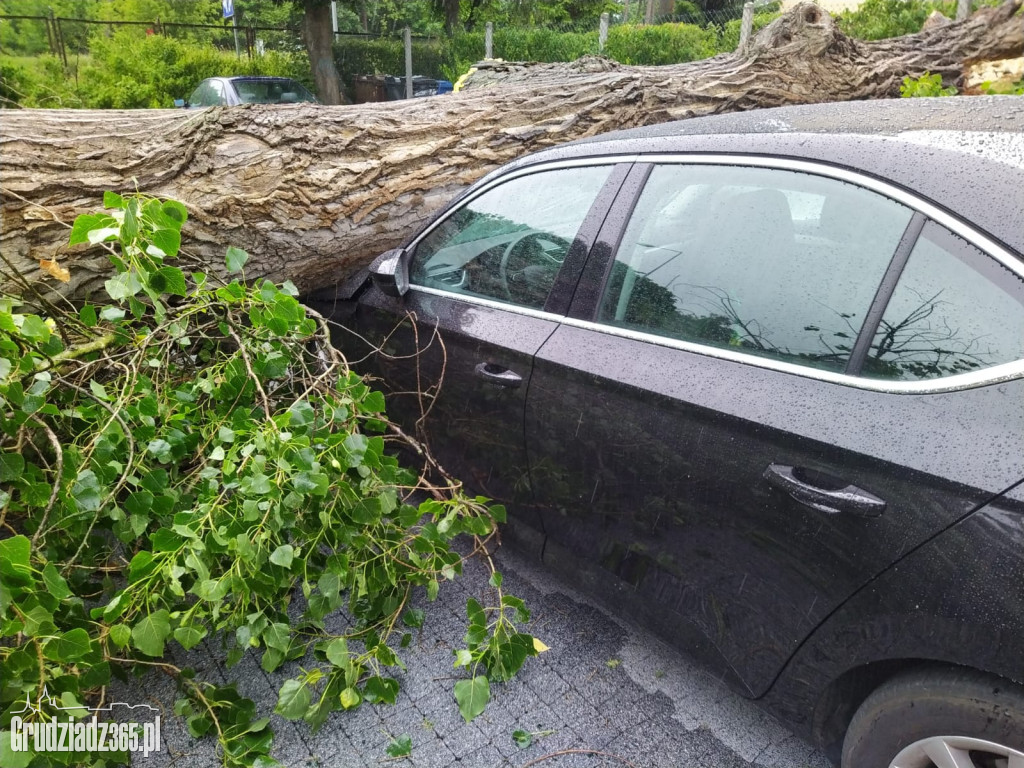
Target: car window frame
x=584, y=309
x=562, y=290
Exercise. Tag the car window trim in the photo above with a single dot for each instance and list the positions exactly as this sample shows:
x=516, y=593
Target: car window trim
x=568, y=277
x=886, y=288
x=591, y=285
x=994, y=375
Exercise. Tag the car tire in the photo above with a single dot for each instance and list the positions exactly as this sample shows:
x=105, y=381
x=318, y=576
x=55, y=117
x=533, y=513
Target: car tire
x=945, y=719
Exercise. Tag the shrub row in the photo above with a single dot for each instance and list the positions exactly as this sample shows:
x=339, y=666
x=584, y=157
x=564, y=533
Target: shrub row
x=627, y=43
x=132, y=70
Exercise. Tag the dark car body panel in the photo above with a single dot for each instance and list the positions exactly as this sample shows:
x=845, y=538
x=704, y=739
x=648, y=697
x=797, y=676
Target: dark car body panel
x=928, y=608
x=638, y=465
x=649, y=461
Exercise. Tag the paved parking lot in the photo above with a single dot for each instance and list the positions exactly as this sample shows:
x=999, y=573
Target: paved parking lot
x=604, y=685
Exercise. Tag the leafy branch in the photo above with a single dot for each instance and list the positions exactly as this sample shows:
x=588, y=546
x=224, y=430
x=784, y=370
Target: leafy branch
x=193, y=461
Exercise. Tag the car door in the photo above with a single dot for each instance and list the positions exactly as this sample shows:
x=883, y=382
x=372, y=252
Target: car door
x=489, y=281
x=721, y=451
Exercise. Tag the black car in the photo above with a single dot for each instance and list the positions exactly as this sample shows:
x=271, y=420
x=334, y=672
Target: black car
x=757, y=381
x=248, y=89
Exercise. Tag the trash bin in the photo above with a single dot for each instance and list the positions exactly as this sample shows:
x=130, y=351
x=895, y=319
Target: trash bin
x=369, y=88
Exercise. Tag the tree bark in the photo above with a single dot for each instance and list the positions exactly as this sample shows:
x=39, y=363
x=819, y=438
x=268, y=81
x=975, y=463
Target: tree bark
x=313, y=193
x=318, y=36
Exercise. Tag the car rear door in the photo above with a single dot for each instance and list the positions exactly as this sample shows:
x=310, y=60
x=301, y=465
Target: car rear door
x=720, y=450
x=490, y=279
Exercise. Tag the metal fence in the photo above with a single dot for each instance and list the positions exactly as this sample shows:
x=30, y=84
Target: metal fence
x=61, y=36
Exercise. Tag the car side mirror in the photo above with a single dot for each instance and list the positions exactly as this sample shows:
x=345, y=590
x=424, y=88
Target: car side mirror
x=180, y=103
x=390, y=272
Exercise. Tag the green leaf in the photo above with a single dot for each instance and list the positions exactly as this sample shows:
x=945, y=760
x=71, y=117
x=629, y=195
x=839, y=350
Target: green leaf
x=55, y=583
x=175, y=212
x=400, y=747
x=495, y=580
x=70, y=646
x=350, y=698
x=35, y=329
x=414, y=618
x=189, y=637
x=112, y=200
x=292, y=700
x=381, y=690
x=472, y=696
x=149, y=633
x=463, y=658
x=14, y=554
x=235, y=259
x=120, y=635
x=130, y=225
x=98, y=390
x=87, y=315
x=337, y=652
x=522, y=738
x=168, y=241
x=283, y=556
x=123, y=285
x=87, y=222
x=12, y=467
x=11, y=759
x=171, y=280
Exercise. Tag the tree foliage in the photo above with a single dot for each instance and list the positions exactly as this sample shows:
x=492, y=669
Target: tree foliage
x=192, y=460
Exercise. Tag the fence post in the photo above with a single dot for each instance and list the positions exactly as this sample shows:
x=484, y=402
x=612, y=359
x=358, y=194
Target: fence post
x=489, y=40
x=963, y=9
x=746, y=25
x=234, y=25
x=602, y=32
x=408, y=62
x=59, y=34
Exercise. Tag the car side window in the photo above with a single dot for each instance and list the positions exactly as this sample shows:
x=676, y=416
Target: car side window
x=509, y=243
x=217, y=97
x=955, y=309
x=769, y=262
x=201, y=96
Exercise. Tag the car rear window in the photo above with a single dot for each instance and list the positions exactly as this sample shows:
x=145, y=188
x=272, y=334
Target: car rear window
x=271, y=92
x=955, y=310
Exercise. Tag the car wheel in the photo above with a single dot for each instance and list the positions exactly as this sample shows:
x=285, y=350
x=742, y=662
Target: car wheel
x=950, y=719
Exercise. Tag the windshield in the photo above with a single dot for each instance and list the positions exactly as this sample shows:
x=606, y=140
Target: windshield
x=271, y=92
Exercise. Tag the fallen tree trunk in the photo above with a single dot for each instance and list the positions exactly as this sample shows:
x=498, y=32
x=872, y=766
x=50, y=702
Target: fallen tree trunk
x=314, y=192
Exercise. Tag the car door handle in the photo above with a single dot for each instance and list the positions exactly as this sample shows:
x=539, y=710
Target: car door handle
x=803, y=485
x=495, y=374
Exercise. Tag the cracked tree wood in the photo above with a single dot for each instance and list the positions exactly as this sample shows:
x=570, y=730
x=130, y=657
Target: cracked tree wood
x=314, y=192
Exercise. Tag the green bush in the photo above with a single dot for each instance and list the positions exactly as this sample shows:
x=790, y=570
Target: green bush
x=661, y=44
x=924, y=86
x=131, y=70
x=37, y=81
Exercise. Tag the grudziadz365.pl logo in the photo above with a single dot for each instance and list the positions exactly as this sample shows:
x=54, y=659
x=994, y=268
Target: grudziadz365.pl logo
x=32, y=729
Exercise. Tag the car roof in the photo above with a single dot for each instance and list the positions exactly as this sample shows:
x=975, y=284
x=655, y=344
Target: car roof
x=258, y=79
x=964, y=154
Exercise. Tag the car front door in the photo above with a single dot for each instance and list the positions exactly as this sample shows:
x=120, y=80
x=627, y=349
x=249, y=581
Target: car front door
x=709, y=431
x=490, y=280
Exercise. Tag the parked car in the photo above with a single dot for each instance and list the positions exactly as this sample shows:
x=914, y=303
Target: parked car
x=757, y=381
x=232, y=91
